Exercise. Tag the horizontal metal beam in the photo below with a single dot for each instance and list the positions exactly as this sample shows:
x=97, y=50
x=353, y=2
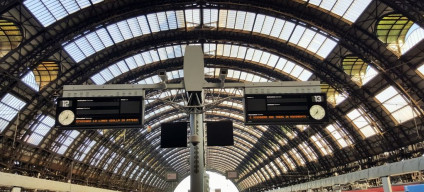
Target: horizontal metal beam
x=13, y=180
x=138, y=89
x=398, y=168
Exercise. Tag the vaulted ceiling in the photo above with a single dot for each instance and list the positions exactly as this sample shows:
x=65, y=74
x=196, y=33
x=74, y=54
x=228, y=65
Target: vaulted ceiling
x=367, y=55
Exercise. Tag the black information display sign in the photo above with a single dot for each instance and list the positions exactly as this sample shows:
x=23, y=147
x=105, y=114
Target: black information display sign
x=99, y=112
x=296, y=108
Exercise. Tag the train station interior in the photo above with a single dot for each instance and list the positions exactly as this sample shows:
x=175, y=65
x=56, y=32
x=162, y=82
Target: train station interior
x=367, y=55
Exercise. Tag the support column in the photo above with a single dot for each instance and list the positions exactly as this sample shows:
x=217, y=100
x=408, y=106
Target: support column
x=197, y=155
x=387, y=185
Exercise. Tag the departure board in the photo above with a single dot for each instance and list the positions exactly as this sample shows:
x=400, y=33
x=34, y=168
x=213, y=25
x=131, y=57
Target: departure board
x=99, y=112
x=293, y=108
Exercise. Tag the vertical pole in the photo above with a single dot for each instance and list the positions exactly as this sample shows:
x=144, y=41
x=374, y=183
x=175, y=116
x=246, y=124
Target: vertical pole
x=197, y=167
x=387, y=185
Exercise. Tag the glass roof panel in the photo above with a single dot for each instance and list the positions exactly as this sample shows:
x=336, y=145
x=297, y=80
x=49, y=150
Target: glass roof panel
x=40, y=129
x=49, y=11
x=84, y=149
x=339, y=135
x=307, y=151
x=309, y=39
x=321, y=144
x=9, y=108
x=169, y=52
x=421, y=70
x=396, y=105
x=29, y=79
x=70, y=136
x=347, y=9
x=362, y=122
x=413, y=37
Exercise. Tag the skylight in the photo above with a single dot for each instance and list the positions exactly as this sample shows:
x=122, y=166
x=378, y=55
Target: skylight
x=307, y=151
x=84, y=149
x=309, y=39
x=338, y=134
x=48, y=12
x=413, y=37
x=321, y=144
x=70, y=136
x=347, y=9
x=362, y=122
x=29, y=79
x=9, y=108
x=421, y=70
x=245, y=53
x=396, y=105
x=40, y=129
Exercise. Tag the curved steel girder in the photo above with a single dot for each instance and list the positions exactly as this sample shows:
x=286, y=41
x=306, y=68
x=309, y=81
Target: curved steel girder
x=260, y=150
x=323, y=72
x=413, y=9
x=275, y=51
x=285, y=10
x=355, y=38
x=270, y=138
x=210, y=61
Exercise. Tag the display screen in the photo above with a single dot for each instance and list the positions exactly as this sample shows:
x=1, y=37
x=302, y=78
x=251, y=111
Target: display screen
x=173, y=135
x=99, y=112
x=219, y=133
x=302, y=108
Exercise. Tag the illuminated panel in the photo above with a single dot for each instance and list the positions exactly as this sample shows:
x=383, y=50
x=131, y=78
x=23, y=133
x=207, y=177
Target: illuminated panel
x=298, y=108
x=40, y=129
x=362, y=122
x=99, y=112
x=48, y=12
x=9, y=108
x=396, y=105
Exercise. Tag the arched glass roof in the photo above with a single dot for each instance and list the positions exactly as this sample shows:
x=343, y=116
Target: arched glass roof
x=226, y=50
x=100, y=44
x=316, y=42
x=48, y=12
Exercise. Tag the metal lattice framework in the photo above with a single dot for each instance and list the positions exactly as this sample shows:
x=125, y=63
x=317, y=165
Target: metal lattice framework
x=128, y=41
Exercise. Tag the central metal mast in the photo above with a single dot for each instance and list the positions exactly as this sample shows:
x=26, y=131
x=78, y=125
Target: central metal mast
x=193, y=83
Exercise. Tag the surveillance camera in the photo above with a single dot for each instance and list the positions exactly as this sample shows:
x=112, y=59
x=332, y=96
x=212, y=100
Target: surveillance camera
x=194, y=139
x=223, y=74
x=162, y=75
